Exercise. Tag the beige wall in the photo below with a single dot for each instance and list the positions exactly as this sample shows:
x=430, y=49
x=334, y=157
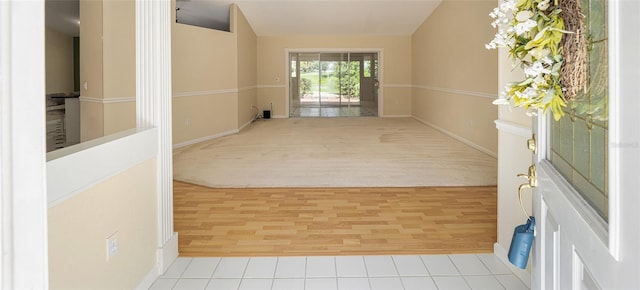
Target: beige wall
x=119, y=49
x=247, y=67
x=59, y=61
x=454, y=76
x=91, y=63
x=214, y=78
x=108, y=67
x=119, y=116
x=201, y=116
x=79, y=227
x=396, y=62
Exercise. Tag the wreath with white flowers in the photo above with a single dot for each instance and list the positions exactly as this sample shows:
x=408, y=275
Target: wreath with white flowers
x=532, y=32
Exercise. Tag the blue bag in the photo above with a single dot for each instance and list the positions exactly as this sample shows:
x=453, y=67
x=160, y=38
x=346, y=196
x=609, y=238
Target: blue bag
x=521, y=243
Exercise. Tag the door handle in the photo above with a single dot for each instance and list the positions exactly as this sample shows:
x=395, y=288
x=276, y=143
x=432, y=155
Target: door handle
x=531, y=176
x=532, y=181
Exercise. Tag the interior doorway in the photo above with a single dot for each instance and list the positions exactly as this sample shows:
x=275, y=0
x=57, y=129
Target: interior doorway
x=333, y=84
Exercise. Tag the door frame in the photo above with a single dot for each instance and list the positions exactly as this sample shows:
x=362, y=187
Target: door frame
x=287, y=70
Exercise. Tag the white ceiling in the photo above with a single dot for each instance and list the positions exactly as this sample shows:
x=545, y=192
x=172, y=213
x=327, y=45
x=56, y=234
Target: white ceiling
x=292, y=17
x=336, y=17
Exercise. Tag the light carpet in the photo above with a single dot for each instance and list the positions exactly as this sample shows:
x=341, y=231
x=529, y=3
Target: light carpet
x=334, y=152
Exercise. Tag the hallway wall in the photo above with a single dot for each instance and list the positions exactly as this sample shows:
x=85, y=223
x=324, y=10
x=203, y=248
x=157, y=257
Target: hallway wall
x=454, y=77
x=214, y=82
x=107, y=67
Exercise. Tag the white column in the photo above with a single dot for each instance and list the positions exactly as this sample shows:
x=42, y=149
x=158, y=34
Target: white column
x=153, y=109
x=23, y=210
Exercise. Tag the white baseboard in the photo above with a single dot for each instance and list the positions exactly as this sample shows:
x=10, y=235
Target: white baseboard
x=459, y=138
x=523, y=275
x=396, y=116
x=148, y=279
x=280, y=117
x=206, y=138
x=245, y=125
x=167, y=254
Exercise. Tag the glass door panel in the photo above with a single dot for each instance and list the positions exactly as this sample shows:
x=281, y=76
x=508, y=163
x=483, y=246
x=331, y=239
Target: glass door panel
x=308, y=86
x=333, y=84
x=330, y=79
x=579, y=140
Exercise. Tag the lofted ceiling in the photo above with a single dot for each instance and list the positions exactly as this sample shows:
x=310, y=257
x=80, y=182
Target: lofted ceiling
x=336, y=17
x=287, y=17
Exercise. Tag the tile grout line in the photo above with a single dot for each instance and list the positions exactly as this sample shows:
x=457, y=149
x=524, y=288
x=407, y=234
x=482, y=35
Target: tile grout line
x=397, y=271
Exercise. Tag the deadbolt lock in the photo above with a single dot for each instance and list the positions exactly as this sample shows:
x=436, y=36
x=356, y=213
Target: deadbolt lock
x=531, y=144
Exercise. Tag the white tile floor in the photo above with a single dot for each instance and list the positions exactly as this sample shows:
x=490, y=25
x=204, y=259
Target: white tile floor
x=464, y=271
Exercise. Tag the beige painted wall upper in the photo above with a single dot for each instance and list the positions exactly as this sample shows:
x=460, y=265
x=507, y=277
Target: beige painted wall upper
x=91, y=50
x=396, y=62
x=247, y=49
x=91, y=72
x=202, y=59
x=454, y=76
x=247, y=67
x=119, y=49
x=107, y=67
x=205, y=76
x=59, y=61
x=214, y=79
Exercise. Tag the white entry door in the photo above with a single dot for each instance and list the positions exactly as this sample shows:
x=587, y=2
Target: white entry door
x=587, y=202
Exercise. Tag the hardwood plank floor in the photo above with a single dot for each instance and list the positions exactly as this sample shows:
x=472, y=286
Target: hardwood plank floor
x=333, y=221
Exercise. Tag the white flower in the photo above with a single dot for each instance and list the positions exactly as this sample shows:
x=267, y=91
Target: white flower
x=501, y=101
x=539, y=80
x=541, y=54
x=508, y=5
x=528, y=93
x=524, y=27
x=501, y=39
x=496, y=13
x=535, y=69
x=524, y=15
x=543, y=5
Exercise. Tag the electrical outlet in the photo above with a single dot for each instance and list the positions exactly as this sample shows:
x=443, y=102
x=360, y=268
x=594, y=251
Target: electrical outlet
x=187, y=122
x=113, y=246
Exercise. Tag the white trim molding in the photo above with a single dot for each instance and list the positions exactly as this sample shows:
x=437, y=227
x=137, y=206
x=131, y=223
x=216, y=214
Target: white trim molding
x=242, y=89
x=204, y=93
x=153, y=109
x=459, y=138
x=400, y=86
x=72, y=170
x=513, y=128
x=23, y=193
x=457, y=92
x=108, y=100
x=206, y=138
x=272, y=86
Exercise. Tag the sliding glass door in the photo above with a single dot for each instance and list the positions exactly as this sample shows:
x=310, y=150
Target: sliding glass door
x=333, y=84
